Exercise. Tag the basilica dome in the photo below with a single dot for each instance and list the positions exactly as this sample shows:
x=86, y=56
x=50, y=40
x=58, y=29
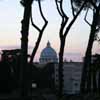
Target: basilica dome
x=48, y=54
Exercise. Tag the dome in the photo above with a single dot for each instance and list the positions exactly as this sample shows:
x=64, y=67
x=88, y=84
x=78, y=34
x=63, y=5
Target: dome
x=48, y=54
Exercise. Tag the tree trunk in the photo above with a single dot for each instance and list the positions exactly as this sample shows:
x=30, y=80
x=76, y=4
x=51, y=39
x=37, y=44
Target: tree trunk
x=24, y=73
x=40, y=33
x=94, y=82
x=63, y=35
x=99, y=82
x=86, y=72
x=36, y=47
x=62, y=44
x=37, y=43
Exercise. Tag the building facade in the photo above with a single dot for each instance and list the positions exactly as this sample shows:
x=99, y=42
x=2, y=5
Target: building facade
x=71, y=77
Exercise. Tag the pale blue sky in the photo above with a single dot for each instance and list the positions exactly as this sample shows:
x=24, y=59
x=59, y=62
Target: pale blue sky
x=11, y=14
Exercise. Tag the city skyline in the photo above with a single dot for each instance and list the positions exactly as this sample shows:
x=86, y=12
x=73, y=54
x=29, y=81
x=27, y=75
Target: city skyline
x=10, y=27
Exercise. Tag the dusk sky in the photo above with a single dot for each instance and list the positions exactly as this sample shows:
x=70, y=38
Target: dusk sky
x=11, y=14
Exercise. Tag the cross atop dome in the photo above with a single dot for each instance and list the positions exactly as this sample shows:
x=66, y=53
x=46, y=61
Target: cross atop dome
x=48, y=44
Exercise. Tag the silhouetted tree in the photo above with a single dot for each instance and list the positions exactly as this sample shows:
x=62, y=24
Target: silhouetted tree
x=87, y=60
x=25, y=74
x=86, y=80
x=40, y=31
x=26, y=81
x=63, y=34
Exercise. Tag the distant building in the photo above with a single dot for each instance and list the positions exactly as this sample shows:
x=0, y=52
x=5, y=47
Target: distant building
x=48, y=54
x=48, y=77
x=10, y=54
x=71, y=77
x=43, y=75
